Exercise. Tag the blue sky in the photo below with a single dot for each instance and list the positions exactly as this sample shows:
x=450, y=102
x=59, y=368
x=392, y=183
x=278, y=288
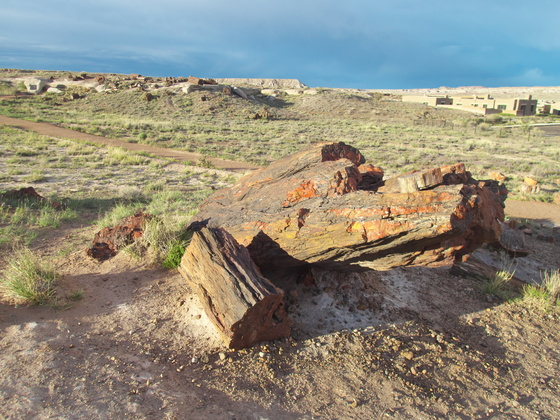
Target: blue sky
x=352, y=43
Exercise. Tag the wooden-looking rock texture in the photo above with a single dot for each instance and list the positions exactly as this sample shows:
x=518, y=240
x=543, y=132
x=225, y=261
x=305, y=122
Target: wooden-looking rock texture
x=109, y=240
x=312, y=207
x=244, y=306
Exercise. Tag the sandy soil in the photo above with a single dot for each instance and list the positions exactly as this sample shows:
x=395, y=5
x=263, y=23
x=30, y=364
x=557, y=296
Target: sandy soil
x=543, y=213
x=409, y=343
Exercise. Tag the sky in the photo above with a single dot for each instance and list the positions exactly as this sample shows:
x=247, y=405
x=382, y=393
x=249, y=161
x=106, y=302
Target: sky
x=364, y=44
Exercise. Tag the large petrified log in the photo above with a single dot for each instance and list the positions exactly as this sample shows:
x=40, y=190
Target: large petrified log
x=244, y=306
x=314, y=208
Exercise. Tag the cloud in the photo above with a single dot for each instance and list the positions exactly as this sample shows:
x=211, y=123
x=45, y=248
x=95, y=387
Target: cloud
x=321, y=41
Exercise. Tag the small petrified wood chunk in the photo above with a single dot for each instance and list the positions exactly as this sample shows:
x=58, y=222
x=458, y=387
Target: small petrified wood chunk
x=245, y=307
x=109, y=240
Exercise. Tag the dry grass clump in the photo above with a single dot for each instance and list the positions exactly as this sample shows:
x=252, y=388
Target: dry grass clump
x=547, y=293
x=28, y=278
x=497, y=285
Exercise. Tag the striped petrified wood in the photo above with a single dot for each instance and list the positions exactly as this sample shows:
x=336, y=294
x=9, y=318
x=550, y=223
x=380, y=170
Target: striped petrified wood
x=245, y=307
x=312, y=208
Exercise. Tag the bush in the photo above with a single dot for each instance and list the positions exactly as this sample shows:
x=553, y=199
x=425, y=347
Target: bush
x=494, y=119
x=497, y=284
x=29, y=279
x=174, y=254
x=545, y=294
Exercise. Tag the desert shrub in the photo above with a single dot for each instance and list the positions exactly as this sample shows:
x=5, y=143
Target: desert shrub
x=497, y=284
x=494, y=119
x=120, y=156
x=551, y=283
x=545, y=294
x=75, y=295
x=28, y=278
x=174, y=254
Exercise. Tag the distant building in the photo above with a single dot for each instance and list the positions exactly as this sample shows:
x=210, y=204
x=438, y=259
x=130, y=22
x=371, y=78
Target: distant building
x=431, y=100
x=479, y=104
x=36, y=85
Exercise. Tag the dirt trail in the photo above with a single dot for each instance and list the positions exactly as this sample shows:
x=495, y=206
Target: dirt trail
x=54, y=131
x=546, y=213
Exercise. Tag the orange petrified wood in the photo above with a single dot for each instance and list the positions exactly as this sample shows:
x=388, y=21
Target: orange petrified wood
x=326, y=206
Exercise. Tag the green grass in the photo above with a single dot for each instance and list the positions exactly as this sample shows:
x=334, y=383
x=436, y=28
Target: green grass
x=28, y=278
x=75, y=295
x=545, y=294
x=117, y=213
x=387, y=132
x=119, y=156
x=164, y=237
x=497, y=284
x=174, y=253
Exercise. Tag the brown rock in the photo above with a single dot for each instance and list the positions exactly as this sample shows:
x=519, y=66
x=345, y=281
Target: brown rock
x=497, y=176
x=308, y=209
x=23, y=193
x=530, y=181
x=371, y=176
x=512, y=241
x=245, y=307
x=108, y=241
x=30, y=193
x=413, y=181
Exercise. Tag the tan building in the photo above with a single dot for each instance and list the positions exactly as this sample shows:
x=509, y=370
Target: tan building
x=431, y=100
x=479, y=104
x=36, y=85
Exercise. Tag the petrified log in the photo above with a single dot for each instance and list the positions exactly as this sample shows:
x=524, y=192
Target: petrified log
x=313, y=208
x=109, y=240
x=244, y=306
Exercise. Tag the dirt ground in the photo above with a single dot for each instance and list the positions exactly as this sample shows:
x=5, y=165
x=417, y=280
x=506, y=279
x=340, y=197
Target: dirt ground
x=408, y=343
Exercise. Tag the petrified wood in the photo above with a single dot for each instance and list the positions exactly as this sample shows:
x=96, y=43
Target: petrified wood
x=314, y=208
x=244, y=306
x=109, y=240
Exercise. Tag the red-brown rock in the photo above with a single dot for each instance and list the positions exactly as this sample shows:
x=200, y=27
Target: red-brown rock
x=245, y=307
x=311, y=208
x=108, y=241
x=23, y=193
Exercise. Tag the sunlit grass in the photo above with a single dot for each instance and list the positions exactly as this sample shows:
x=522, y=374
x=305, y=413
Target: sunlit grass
x=28, y=278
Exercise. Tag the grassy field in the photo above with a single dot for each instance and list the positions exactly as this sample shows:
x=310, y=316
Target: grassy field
x=396, y=136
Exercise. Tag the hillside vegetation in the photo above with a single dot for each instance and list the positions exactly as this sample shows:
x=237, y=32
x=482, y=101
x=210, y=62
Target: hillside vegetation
x=396, y=136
